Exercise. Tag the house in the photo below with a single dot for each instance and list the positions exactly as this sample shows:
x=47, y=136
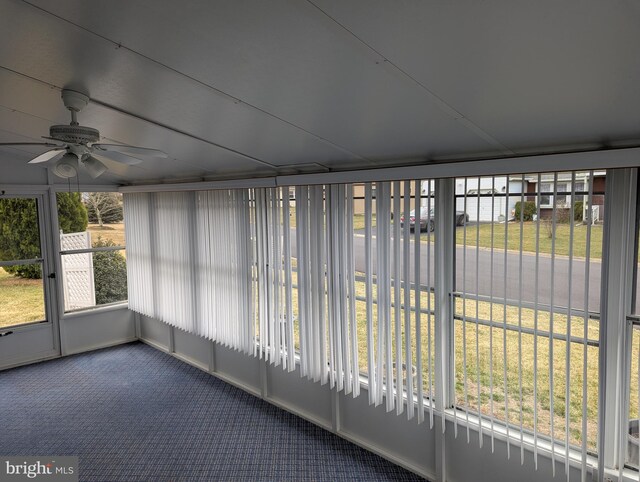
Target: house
x=227, y=338
x=548, y=184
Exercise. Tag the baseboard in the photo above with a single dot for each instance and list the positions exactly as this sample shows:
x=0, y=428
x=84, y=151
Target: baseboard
x=100, y=346
x=386, y=455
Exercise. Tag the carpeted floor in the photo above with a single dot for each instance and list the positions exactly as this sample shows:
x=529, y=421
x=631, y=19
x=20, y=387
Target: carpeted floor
x=134, y=413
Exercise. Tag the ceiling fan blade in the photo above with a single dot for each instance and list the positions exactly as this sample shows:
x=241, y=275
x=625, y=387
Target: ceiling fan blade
x=130, y=150
x=47, y=156
x=118, y=157
x=48, y=144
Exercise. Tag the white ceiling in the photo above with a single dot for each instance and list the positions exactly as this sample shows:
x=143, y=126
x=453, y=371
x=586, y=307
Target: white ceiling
x=246, y=88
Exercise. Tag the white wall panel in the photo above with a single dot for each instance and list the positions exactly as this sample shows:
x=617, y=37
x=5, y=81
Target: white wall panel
x=195, y=349
x=155, y=332
x=300, y=395
x=237, y=367
x=410, y=444
x=468, y=462
x=96, y=329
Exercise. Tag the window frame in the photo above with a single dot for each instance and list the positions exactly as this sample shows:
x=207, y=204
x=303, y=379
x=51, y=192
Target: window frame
x=63, y=314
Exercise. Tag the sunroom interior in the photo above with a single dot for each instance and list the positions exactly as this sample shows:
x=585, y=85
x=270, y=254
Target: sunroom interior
x=412, y=224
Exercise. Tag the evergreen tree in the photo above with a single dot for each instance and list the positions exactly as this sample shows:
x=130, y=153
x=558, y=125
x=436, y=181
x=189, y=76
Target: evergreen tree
x=19, y=229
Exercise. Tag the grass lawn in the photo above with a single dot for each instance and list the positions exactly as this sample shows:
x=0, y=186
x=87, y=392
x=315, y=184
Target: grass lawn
x=489, y=366
x=21, y=300
x=114, y=231
x=529, y=234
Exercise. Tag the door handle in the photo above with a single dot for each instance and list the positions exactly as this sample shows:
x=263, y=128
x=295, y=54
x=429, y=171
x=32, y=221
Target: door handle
x=5, y=333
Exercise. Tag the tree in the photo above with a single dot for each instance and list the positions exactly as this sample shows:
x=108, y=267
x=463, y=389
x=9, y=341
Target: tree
x=19, y=230
x=110, y=274
x=104, y=207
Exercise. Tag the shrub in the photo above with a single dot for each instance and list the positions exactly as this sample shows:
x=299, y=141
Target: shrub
x=110, y=274
x=578, y=211
x=529, y=210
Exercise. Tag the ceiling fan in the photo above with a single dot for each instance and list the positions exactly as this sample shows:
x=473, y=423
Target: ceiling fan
x=80, y=146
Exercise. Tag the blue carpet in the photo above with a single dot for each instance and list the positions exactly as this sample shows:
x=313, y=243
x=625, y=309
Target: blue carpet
x=134, y=413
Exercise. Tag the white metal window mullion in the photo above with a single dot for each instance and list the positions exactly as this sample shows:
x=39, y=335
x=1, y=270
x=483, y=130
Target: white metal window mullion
x=504, y=319
x=551, y=321
x=535, y=324
x=477, y=303
x=520, y=296
x=493, y=209
x=464, y=315
x=567, y=401
x=585, y=334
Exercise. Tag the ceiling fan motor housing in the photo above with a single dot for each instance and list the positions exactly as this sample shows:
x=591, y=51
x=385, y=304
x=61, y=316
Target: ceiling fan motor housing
x=74, y=134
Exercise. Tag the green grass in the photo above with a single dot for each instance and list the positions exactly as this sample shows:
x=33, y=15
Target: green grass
x=530, y=235
x=115, y=232
x=491, y=361
x=21, y=300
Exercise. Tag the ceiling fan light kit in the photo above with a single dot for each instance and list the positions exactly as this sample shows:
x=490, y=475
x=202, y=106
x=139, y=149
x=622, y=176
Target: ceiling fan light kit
x=93, y=166
x=80, y=143
x=67, y=166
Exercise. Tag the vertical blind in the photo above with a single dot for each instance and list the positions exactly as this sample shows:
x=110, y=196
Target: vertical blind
x=339, y=278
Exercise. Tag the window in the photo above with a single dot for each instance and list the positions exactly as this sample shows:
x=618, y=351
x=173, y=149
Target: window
x=92, y=249
x=21, y=262
x=526, y=312
x=346, y=284
x=546, y=199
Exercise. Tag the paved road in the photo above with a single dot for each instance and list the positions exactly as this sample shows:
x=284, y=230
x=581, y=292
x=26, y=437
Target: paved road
x=477, y=277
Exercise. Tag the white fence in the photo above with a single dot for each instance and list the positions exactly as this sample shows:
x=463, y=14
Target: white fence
x=77, y=272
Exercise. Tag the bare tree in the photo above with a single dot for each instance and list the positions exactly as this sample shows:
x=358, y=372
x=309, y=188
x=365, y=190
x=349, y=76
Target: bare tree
x=104, y=207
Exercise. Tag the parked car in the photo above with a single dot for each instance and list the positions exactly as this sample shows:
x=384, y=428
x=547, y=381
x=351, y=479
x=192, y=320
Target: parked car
x=428, y=221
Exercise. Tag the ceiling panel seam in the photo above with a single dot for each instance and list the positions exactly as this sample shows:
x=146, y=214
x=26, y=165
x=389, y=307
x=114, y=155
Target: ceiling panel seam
x=439, y=101
x=184, y=133
x=216, y=90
